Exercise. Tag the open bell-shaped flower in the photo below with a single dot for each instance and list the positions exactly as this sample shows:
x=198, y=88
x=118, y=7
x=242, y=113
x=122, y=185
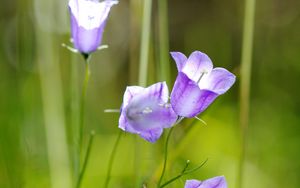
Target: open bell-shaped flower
x=198, y=84
x=88, y=18
x=216, y=182
x=146, y=111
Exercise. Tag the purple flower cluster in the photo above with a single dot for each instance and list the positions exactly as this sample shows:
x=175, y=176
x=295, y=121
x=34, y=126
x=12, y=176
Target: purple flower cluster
x=147, y=111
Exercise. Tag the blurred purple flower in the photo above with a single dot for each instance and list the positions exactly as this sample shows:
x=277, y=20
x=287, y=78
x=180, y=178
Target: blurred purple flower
x=216, y=182
x=146, y=111
x=88, y=18
x=197, y=84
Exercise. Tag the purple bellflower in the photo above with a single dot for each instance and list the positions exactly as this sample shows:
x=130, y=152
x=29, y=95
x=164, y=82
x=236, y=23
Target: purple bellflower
x=146, y=111
x=198, y=84
x=216, y=182
x=88, y=18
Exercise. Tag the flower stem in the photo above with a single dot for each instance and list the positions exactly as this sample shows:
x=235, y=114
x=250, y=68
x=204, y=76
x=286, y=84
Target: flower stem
x=82, y=102
x=163, y=41
x=144, y=51
x=176, y=177
x=142, y=76
x=111, y=159
x=166, y=157
x=86, y=159
x=184, y=141
x=184, y=172
x=245, y=82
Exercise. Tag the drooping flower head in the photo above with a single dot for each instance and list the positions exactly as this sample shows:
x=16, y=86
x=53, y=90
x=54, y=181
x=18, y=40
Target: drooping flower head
x=216, y=182
x=88, y=18
x=198, y=84
x=146, y=112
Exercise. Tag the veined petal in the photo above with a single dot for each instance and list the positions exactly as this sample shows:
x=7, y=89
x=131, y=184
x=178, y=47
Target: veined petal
x=149, y=109
x=180, y=59
x=188, y=99
x=219, y=80
x=158, y=91
x=216, y=182
x=145, y=111
x=86, y=41
x=152, y=135
x=130, y=92
x=90, y=14
x=88, y=19
x=123, y=123
x=192, y=184
x=197, y=66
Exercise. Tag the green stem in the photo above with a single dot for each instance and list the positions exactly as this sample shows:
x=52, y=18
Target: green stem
x=82, y=103
x=246, y=64
x=145, y=43
x=86, y=159
x=111, y=159
x=184, y=172
x=143, y=74
x=166, y=157
x=176, y=177
x=164, y=65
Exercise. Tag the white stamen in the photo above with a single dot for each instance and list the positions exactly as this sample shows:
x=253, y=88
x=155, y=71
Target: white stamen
x=165, y=105
x=147, y=110
x=201, y=120
x=104, y=46
x=202, y=74
x=69, y=48
x=112, y=111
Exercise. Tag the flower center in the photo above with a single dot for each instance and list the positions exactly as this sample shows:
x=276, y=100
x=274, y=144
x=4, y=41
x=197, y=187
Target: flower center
x=134, y=113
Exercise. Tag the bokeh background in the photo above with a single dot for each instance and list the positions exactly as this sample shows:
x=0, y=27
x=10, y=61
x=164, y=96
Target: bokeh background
x=40, y=85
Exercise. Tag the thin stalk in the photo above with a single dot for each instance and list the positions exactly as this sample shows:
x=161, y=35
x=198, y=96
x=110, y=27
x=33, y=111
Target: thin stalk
x=74, y=119
x=166, y=157
x=86, y=159
x=143, y=73
x=246, y=64
x=164, y=65
x=189, y=135
x=54, y=118
x=176, y=177
x=145, y=43
x=82, y=102
x=184, y=172
x=111, y=159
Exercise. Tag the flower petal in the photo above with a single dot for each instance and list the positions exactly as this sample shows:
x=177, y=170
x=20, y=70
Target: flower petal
x=86, y=41
x=88, y=19
x=152, y=135
x=197, y=65
x=192, y=184
x=90, y=14
x=159, y=90
x=216, y=182
x=124, y=125
x=188, y=99
x=146, y=111
x=149, y=109
x=219, y=80
x=130, y=92
x=180, y=59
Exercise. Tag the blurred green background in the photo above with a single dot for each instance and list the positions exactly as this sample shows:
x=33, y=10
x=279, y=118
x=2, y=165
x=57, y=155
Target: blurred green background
x=40, y=84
